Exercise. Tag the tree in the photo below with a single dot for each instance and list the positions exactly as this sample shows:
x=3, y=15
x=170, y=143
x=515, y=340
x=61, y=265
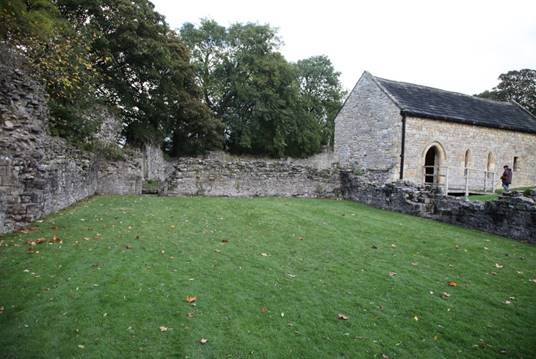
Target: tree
x=321, y=93
x=249, y=85
x=518, y=86
x=146, y=73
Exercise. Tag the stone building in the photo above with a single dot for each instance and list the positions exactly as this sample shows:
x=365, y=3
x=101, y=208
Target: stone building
x=427, y=135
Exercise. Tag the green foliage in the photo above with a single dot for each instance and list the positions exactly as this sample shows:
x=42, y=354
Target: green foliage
x=321, y=93
x=146, y=73
x=121, y=52
x=518, y=86
x=258, y=95
x=127, y=263
x=59, y=58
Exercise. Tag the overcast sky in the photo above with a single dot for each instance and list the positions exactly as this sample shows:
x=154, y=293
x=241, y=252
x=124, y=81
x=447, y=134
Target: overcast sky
x=454, y=45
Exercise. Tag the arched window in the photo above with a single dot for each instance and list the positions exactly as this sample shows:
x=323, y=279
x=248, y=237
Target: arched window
x=490, y=166
x=467, y=159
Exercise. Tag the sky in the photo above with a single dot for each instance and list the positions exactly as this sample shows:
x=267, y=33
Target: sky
x=455, y=45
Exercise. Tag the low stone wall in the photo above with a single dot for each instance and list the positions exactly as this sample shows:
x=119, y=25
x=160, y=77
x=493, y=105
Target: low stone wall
x=512, y=215
x=213, y=176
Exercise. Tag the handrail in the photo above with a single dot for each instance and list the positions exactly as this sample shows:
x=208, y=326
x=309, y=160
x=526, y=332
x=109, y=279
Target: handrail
x=443, y=172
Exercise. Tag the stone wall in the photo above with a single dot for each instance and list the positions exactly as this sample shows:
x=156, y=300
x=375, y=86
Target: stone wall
x=368, y=129
x=500, y=146
x=40, y=174
x=213, y=176
x=512, y=216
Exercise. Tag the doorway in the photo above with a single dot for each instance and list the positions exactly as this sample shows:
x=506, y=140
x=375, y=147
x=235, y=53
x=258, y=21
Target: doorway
x=430, y=165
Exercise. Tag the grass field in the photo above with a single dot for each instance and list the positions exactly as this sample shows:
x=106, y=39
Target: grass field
x=273, y=278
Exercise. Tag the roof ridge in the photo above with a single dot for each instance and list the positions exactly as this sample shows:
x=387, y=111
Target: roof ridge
x=442, y=90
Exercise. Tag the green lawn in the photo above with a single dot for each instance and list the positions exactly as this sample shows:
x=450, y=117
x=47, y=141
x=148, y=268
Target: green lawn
x=494, y=196
x=271, y=277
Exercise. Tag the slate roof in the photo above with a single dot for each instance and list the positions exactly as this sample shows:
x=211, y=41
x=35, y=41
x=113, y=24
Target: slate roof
x=429, y=102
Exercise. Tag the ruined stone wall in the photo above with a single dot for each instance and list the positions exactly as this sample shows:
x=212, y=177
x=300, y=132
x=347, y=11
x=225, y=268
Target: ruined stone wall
x=40, y=174
x=214, y=176
x=512, y=216
x=153, y=164
x=368, y=129
x=456, y=139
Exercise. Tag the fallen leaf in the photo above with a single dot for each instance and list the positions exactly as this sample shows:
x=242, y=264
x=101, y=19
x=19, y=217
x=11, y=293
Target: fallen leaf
x=416, y=318
x=264, y=254
x=191, y=298
x=342, y=316
x=497, y=265
x=264, y=310
x=128, y=246
x=27, y=230
x=1, y=309
x=453, y=283
x=225, y=241
x=413, y=263
x=300, y=238
x=203, y=341
x=445, y=295
x=393, y=245
x=163, y=329
x=533, y=280
x=30, y=250
x=385, y=356
x=392, y=274
x=81, y=346
x=507, y=302
x=190, y=315
x=56, y=239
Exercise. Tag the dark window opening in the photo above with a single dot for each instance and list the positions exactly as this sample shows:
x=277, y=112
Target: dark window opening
x=516, y=163
x=429, y=165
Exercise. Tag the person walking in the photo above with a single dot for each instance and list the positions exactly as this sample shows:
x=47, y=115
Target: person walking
x=506, y=178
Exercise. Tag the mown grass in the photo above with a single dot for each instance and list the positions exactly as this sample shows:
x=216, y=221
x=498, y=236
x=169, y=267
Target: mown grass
x=271, y=277
x=494, y=196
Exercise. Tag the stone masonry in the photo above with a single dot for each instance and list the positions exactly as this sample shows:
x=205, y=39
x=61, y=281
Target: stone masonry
x=501, y=146
x=367, y=130
x=250, y=177
x=512, y=215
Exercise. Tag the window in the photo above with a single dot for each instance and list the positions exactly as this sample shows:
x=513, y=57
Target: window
x=516, y=163
x=467, y=159
x=491, y=162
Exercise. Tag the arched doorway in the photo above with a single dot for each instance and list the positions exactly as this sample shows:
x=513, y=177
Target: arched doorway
x=434, y=160
x=430, y=163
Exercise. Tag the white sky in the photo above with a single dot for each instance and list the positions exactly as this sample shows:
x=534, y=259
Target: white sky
x=454, y=45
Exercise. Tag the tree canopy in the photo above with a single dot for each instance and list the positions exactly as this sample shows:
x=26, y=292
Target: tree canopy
x=268, y=105
x=191, y=91
x=518, y=86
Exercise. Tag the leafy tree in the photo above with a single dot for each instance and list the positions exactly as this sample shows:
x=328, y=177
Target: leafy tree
x=249, y=85
x=146, y=73
x=321, y=93
x=518, y=86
